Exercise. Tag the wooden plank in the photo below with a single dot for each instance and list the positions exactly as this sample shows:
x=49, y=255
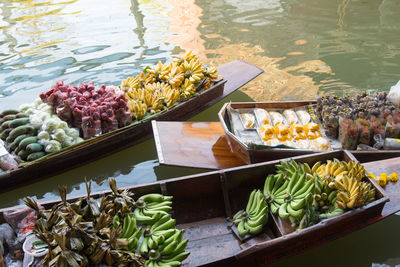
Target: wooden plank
x=392, y=189
x=238, y=73
x=193, y=144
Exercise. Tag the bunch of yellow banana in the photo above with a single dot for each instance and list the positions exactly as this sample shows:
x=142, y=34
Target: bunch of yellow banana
x=353, y=193
x=187, y=89
x=193, y=70
x=137, y=108
x=166, y=84
x=175, y=77
x=170, y=96
x=161, y=71
x=130, y=83
x=335, y=169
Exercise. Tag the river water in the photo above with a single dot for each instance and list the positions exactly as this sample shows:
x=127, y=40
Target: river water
x=307, y=48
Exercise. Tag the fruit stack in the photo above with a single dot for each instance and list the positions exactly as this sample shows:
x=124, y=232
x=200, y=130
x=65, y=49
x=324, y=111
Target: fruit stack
x=155, y=89
x=306, y=195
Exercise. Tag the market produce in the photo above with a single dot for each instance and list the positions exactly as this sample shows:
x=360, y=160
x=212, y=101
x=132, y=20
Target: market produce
x=356, y=120
x=346, y=177
x=158, y=88
x=95, y=111
x=254, y=217
x=307, y=195
x=91, y=231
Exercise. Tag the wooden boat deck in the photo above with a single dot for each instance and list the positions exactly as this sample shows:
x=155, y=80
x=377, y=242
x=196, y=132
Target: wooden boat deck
x=193, y=144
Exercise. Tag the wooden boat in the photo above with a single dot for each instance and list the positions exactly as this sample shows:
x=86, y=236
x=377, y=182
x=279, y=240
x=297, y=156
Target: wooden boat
x=203, y=202
x=236, y=74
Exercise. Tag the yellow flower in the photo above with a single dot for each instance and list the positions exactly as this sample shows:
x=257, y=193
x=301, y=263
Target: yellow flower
x=383, y=179
x=394, y=177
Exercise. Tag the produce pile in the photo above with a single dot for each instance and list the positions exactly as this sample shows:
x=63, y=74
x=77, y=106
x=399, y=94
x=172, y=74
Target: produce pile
x=356, y=120
x=117, y=230
x=156, y=89
x=34, y=131
x=307, y=195
x=66, y=114
x=93, y=111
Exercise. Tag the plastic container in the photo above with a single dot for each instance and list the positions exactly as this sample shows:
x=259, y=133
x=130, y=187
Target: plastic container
x=30, y=254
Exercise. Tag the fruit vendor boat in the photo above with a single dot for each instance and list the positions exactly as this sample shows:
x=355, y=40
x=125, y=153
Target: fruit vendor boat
x=213, y=145
x=204, y=204
x=235, y=74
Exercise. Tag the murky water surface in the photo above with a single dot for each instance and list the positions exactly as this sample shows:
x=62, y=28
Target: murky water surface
x=306, y=48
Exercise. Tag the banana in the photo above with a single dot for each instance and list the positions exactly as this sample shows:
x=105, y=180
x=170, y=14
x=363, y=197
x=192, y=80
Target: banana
x=307, y=168
x=256, y=230
x=169, y=248
x=306, y=193
x=164, y=203
x=315, y=167
x=282, y=212
x=339, y=170
x=142, y=218
x=131, y=228
x=144, y=249
x=297, y=204
x=163, y=219
x=180, y=247
x=152, y=197
x=251, y=200
x=127, y=225
x=165, y=226
x=179, y=257
x=115, y=221
x=298, y=214
x=274, y=208
x=241, y=229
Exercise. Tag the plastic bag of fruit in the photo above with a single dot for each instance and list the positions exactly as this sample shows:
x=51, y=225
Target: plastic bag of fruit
x=363, y=128
x=348, y=134
x=393, y=124
x=378, y=124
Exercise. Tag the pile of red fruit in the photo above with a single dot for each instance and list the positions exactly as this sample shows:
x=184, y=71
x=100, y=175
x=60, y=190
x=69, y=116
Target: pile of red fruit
x=94, y=111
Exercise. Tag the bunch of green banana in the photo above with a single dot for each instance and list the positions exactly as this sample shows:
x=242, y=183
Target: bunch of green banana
x=289, y=168
x=310, y=217
x=151, y=207
x=331, y=212
x=168, y=251
x=299, y=196
x=324, y=196
x=275, y=191
x=157, y=233
x=130, y=234
x=252, y=220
